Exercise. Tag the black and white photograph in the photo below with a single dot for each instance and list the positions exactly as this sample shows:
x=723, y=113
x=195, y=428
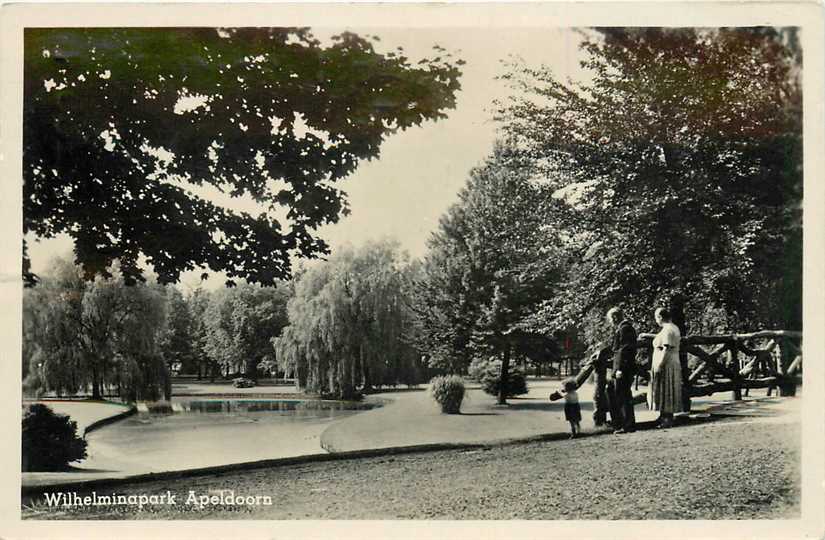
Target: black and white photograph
x=483, y=272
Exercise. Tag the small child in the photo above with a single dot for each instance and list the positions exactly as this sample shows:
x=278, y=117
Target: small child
x=572, y=409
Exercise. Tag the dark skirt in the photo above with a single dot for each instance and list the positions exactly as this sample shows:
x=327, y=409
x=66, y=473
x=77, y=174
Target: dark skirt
x=572, y=412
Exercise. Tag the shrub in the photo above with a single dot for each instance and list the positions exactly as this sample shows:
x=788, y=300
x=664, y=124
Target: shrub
x=516, y=381
x=50, y=440
x=448, y=391
x=243, y=382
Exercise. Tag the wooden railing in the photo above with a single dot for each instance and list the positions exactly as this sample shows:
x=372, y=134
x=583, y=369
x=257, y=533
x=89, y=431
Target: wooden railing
x=732, y=365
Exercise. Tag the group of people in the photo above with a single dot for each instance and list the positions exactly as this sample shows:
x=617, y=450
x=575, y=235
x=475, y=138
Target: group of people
x=615, y=371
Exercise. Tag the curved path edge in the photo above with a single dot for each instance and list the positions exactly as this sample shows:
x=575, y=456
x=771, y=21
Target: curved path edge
x=717, y=411
x=87, y=421
x=109, y=420
x=35, y=490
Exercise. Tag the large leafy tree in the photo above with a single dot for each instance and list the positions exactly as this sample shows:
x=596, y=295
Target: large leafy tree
x=219, y=339
x=679, y=160
x=258, y=315
x=177, y=339
x=124, y=127
x=239, y=324
x=490, y=264
x=198, y=303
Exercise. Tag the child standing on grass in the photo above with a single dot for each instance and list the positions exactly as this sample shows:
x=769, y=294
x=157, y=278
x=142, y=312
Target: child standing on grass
x=572, y=409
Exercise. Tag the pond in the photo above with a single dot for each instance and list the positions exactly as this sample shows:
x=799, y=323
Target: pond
x=190, y=433
x=293, y=408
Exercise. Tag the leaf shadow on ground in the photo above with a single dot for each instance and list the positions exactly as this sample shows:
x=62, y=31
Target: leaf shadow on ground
x=540, y=405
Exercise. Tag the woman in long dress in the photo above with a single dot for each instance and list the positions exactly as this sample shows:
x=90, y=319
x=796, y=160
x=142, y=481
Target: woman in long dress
x=665, y=393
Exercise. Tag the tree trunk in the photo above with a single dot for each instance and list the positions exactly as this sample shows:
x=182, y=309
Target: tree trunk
x=300, y=375
x=95, y=383
x=251, y=369
x=367, y=377
x=345, y=376
x=505, y=375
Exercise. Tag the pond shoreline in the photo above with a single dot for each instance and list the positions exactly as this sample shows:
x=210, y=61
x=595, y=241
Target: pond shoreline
x=528, y=419
x=483, y=480
x=164, y=437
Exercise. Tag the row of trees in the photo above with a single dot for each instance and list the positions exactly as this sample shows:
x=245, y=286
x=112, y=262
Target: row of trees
x=109, y=338
x=341, y=327
x=671, y=176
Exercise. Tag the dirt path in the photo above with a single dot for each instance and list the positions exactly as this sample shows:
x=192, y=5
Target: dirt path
x=726, y=469
x=414, y=418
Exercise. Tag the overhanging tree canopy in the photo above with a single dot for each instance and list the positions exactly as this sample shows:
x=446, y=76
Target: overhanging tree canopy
x=680, y=160
x=124, y=127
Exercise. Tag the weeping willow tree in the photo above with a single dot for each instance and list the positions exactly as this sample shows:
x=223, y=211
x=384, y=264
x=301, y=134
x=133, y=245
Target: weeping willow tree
x=99, y=335
x=347, y=322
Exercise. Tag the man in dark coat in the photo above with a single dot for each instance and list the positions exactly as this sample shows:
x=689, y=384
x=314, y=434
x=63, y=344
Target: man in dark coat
x=620, y=374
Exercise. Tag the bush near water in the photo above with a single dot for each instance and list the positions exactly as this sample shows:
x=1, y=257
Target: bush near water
x=448, y=392
x=516, y=383
x=488, y=373
x=50, y=440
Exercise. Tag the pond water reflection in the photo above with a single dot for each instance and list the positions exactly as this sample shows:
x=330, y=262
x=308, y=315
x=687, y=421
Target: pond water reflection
x=191, y=433
x=234, y=407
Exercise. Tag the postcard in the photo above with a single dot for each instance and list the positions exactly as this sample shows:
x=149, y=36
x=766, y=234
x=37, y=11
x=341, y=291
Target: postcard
x=371, y=270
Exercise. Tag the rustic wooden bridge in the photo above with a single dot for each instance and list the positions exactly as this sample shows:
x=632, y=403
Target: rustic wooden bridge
x=769, y=359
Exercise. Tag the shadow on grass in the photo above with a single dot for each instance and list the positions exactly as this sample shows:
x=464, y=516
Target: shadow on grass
x=537, y=407
x=389, y=390
x=72, y=469
x=648, y=425
x=84, y=470
x=530, y=404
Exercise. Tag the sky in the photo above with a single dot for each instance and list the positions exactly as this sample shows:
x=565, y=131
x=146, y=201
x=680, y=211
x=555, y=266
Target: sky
x=420, y=171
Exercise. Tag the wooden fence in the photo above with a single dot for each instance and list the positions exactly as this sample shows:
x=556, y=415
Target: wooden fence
x=732, y=362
